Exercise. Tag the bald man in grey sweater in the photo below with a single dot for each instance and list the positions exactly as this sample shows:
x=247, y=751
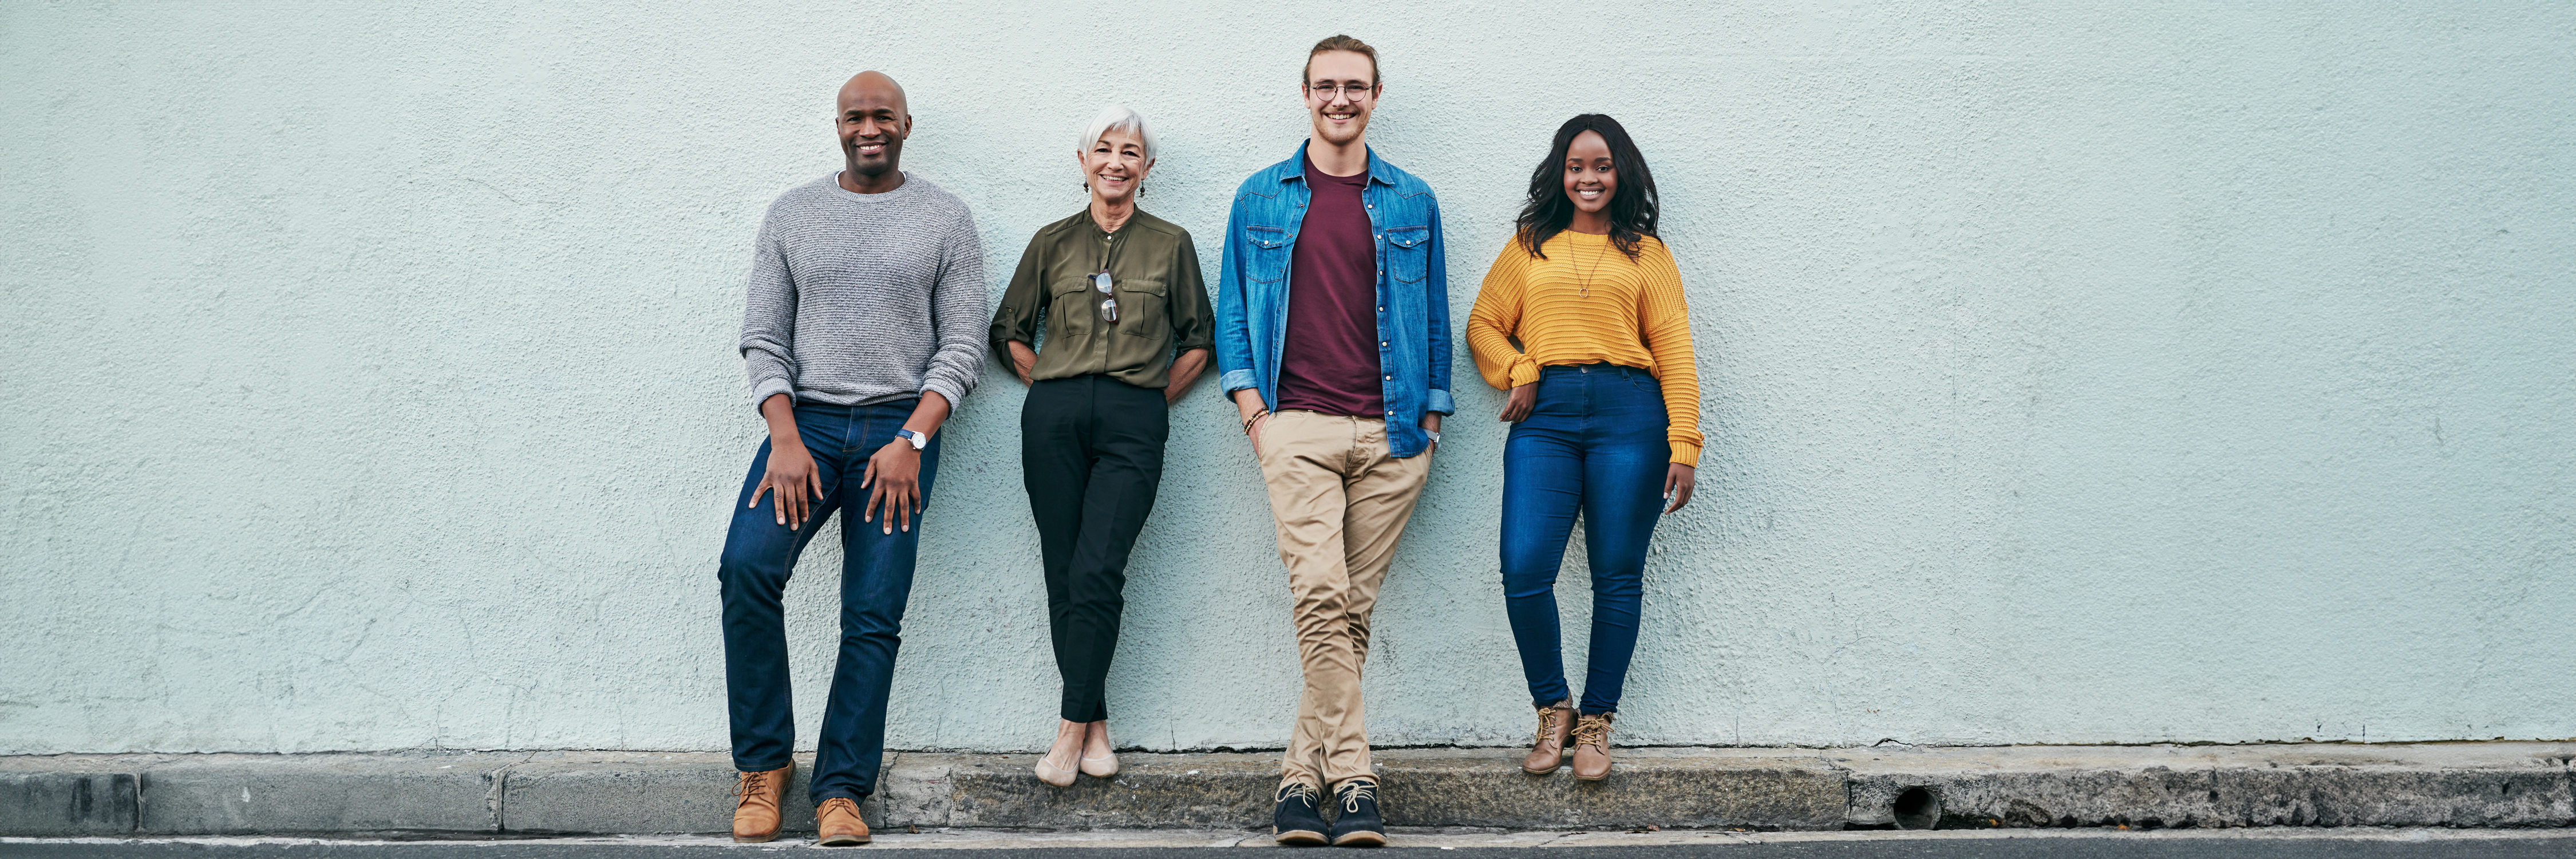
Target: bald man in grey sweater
x=863, y=326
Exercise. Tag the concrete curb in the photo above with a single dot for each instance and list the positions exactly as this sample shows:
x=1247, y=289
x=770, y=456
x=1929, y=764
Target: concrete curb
x=466, y=794
x=2323, y=784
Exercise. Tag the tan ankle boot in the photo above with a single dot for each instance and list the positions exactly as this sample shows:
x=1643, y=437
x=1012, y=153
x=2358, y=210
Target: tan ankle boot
x=1592, y=747
x=840, y=824
x=755, y=807
x=1555, y=721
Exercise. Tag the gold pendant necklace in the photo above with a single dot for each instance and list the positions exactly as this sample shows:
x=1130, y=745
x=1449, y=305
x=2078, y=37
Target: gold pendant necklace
x=1583, y=279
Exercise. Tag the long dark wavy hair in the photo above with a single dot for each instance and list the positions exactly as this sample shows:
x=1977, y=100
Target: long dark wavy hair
x=1632, y=205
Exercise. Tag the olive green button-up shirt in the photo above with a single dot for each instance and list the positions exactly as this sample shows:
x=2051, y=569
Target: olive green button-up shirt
x=1153, y=272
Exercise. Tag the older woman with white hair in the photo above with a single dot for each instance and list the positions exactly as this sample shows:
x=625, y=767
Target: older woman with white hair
x=1127, y=328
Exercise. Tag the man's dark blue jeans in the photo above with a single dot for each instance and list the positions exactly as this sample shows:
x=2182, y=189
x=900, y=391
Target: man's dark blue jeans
x=876, y=579
x=1594, y=443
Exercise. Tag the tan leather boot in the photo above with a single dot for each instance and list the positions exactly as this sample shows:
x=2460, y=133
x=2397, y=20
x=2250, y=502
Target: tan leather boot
x=755, y=806
x=1592, y=747
x=839, y=820
x=1555, y=721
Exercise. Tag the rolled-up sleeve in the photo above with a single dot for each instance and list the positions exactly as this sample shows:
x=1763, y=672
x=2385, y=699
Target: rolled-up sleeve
x=1436, y=301
x=1233, y=321
x=1023, y=302
x=958, y=314
x=769, y=318
x=1193, y=320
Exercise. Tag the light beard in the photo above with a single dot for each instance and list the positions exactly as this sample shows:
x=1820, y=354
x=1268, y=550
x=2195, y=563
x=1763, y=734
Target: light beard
x=1320, y=128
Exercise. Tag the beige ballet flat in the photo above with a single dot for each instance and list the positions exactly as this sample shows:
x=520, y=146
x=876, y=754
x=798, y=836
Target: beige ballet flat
x=1107, y=767
x=1059, y=777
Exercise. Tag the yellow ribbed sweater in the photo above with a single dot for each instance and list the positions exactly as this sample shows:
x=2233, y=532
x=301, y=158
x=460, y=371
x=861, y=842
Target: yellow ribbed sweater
x=1632, y=314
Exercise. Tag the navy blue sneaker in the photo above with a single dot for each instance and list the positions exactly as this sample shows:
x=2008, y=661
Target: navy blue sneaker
x=1296, y=822
x=1359, y=824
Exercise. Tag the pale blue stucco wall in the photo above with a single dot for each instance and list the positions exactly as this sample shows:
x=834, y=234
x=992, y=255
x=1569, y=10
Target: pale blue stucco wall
x=2076, y=372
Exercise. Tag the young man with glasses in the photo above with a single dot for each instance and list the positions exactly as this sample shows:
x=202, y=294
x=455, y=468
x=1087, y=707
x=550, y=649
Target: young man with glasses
x=1333, y=336
x=863, y=327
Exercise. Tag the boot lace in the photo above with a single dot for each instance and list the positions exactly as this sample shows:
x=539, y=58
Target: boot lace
x=1547, y=719
x=1592, y=731
x=1353, y=792
x=1298, y=790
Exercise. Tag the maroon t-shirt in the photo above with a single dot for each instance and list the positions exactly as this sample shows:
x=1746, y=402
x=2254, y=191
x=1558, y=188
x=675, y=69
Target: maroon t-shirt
x=1330, y=361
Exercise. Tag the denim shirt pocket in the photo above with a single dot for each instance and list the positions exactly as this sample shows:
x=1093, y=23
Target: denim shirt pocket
x=1408, y=253
x=1266, y=252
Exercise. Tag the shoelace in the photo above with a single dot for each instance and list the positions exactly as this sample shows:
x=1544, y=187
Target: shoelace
x=1593, y=731
x=1354, y=792
x=1547, y=717
x=1298, y=790
x=749, y=788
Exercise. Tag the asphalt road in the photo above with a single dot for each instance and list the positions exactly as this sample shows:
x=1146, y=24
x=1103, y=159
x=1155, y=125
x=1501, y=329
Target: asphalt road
x=2505, y=847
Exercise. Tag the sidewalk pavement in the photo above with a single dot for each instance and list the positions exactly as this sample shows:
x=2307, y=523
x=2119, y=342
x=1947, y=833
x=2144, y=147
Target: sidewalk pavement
x=481, y=794
x=2271, y=843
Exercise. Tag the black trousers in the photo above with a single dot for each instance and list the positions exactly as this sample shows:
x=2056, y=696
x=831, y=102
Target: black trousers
x=1091, y=452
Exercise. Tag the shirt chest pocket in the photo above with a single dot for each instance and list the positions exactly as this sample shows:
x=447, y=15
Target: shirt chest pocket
x=1408, y=253
x=1265, y=253
x=1070, y=299
x=1141, y=307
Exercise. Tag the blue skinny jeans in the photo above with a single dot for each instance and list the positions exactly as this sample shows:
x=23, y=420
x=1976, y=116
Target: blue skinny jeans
x=876, y=580
x=1595, y=445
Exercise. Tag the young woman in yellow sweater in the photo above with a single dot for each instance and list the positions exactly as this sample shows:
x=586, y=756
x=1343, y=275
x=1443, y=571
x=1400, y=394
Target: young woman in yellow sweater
x=1582, y=319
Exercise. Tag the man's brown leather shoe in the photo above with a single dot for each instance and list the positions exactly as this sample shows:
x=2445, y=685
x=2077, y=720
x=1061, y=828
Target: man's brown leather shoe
x=839, y=820
x=1592, y=747
x=1555, y=721
x=755, y=807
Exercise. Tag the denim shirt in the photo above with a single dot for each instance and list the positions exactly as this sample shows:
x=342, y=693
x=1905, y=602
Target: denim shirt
x=1412, y=290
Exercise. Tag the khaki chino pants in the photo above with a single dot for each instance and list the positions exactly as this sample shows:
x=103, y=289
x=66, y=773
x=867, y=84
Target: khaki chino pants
x=1340, y=502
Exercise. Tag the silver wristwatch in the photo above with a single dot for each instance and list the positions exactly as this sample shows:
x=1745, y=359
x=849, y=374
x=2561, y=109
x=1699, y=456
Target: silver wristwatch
x=918, y=440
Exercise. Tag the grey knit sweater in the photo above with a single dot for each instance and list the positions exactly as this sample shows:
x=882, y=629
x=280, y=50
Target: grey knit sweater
x=865, y=298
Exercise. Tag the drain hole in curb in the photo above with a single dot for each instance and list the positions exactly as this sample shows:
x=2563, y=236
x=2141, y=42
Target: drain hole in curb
x=1917, y=808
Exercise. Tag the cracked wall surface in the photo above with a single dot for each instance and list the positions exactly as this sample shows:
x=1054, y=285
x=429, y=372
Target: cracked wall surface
x=2074, y=373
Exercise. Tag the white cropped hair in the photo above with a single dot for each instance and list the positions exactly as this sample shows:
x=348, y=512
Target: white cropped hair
x=1117, y=116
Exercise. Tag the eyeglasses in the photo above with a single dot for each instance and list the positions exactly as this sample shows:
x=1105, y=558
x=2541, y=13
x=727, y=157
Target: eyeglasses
x=1328, y=91
x=1108, y=306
